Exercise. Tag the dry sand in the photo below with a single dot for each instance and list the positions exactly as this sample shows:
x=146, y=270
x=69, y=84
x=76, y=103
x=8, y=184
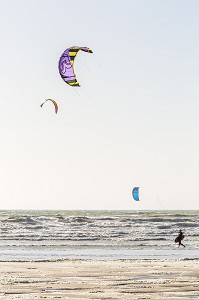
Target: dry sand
x=81, y=279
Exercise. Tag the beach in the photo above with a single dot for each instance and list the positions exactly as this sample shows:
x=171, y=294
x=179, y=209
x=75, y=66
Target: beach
x=100, y=279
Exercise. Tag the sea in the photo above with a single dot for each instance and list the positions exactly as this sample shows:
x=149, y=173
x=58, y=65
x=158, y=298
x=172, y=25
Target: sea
x=97, y=235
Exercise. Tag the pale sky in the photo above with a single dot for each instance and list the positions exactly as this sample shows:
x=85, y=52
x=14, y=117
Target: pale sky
x=133, y=122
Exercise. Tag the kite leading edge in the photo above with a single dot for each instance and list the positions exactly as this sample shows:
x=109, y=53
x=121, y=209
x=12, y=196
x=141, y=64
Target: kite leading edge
x=53, y=101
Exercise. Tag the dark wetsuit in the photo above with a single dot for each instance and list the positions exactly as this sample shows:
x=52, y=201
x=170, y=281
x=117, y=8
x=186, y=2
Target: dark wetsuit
x=180, y=238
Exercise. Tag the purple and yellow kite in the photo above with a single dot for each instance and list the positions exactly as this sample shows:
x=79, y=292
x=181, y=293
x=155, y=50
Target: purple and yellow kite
x=66, y=63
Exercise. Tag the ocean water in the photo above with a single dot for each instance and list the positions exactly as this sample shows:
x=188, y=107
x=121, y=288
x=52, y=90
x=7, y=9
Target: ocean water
x=55, y=235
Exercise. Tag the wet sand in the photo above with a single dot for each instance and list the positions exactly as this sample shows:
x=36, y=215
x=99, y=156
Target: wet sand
x=84, y=279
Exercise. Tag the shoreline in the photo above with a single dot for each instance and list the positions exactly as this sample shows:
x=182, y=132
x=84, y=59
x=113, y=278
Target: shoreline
x=43, y=254
x=65, y=260
x=100, y=279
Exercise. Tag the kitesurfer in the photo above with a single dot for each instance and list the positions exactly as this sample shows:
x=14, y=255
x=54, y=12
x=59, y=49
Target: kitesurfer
x=179, y=238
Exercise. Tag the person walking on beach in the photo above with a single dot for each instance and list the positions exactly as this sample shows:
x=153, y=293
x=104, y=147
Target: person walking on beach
x=179, y=238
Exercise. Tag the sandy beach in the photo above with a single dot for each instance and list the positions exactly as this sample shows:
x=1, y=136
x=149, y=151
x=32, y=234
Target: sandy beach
x=86, y=279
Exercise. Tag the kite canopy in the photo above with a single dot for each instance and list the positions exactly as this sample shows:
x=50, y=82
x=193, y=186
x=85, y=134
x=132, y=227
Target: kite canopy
x=135, y=193
x=66, y=63
x=53, y=101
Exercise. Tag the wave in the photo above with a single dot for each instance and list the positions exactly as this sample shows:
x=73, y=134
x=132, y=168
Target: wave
x=187, y=224
x=164, y=227
x=25, y=219
x=81, y=219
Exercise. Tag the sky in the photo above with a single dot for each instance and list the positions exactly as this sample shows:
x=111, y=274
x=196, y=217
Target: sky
x=133, y=122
